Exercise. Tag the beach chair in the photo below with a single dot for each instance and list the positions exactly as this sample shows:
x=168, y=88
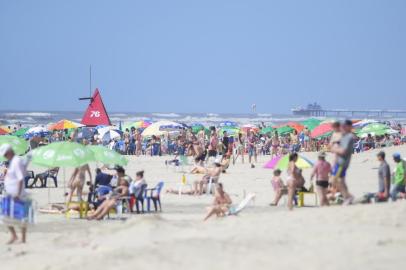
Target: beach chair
x=52, y=174
x=83, y=209
x=138, y=198
x=154, y=195
x=30, y=175
x=301, y=195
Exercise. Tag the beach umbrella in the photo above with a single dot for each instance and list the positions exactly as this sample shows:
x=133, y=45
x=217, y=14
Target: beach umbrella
x=86, y=133
x=282, y=163
x=62, y=154
x=249, y=127
x=363, y=123
x=107, y=156
x=228, y=124
x=196, y=127
x=64, y=124
x=138, y=125
x=230, y=131
x=20, y=132
x=4, y=130
x=161, y=127
x=36, y=132
x=19, y=145
x=375, y=129
x=311, y=123
x=328, y=121
x=266, y=130
x=297, y=126
x=322, y=130
x=107, y=134
x=284, y=130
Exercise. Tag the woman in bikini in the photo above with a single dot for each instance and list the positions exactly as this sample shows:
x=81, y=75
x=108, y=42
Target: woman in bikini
x=77, y=181
x=294, y=180
x=221, y=205
x=275, y=144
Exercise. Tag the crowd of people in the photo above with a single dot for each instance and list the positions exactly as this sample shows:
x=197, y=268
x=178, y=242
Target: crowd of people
x=213, y=152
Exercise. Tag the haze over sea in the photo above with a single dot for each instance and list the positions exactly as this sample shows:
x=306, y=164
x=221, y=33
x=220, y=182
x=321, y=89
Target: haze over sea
x=27, y=118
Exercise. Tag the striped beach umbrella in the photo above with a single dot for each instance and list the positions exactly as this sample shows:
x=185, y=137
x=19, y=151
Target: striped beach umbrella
x=64, y=124
x=282, y=163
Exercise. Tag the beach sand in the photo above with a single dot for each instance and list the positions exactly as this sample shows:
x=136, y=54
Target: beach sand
x=261, y=237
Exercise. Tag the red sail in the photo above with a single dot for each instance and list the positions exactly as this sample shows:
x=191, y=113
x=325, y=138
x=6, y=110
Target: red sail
x=96, y=113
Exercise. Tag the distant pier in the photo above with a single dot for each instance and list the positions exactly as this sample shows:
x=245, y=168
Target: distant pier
x=354, y=113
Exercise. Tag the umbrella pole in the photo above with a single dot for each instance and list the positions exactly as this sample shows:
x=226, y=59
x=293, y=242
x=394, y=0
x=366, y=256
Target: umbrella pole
x=64, y=185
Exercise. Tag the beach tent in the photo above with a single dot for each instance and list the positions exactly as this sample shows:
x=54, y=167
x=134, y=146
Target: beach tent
x=96, y=113
x=322, y=130
x=64, y=124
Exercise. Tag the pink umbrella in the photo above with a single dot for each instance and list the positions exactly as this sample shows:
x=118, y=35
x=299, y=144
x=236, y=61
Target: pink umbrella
x=272, y=163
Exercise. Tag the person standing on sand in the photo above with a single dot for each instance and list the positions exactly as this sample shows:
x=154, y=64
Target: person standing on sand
x=322, y=171
x=295, y=179
x=344, y=151
x=252, y=148
x=384, y=178
x=14, y=187
x=399, y=177
x=77, y=181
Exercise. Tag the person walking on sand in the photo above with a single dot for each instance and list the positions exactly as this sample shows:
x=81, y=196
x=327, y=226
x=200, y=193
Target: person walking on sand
x=322, y=171
x=14, y=188
x=399, y=177
x=344, y=151
x=252, y=148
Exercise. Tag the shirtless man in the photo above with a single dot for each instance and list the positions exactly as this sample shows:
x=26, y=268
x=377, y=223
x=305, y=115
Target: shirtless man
x=221, y=203
x=213, y=173
x=77, y=181
x=199, y=152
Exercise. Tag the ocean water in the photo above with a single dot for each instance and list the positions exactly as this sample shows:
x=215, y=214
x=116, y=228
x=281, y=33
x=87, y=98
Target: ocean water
x=29, y=119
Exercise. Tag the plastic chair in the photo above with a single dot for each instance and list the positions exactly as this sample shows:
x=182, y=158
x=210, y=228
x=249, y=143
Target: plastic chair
x=53, y=174
x=154, y=195
x=83, y=208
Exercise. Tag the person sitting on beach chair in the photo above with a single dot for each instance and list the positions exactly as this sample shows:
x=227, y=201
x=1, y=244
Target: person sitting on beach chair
x=111, y=200
x=278, y=186
x=212, y=175
x=221, y=204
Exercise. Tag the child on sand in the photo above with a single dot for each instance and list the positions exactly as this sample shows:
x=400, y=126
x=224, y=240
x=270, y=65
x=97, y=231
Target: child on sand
x=278, y=187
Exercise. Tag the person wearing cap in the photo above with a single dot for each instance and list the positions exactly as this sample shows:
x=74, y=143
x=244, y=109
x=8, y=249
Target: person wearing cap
x=399, y=177
x=14, y=185
x=344, y=151
x=384, y=178
x=322, y=171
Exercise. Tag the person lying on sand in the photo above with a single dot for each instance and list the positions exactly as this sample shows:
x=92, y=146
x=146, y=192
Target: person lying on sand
x=110, y=202
x=221, y=204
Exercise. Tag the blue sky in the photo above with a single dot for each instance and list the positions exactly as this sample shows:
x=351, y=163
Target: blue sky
x=203, y=56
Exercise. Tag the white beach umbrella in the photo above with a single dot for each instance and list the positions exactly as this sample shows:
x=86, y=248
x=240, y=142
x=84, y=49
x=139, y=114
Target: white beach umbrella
x=161, y=128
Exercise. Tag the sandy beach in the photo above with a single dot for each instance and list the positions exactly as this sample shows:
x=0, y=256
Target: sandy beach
x=261, y=237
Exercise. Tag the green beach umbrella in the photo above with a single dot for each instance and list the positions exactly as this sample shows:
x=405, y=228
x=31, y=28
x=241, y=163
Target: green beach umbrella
x=266, y=130
x=107, y=156
x=20, y=132
x=62, y=154
x=284, y=130
x=19, y=145
x=311, y=123
x=375, y=129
